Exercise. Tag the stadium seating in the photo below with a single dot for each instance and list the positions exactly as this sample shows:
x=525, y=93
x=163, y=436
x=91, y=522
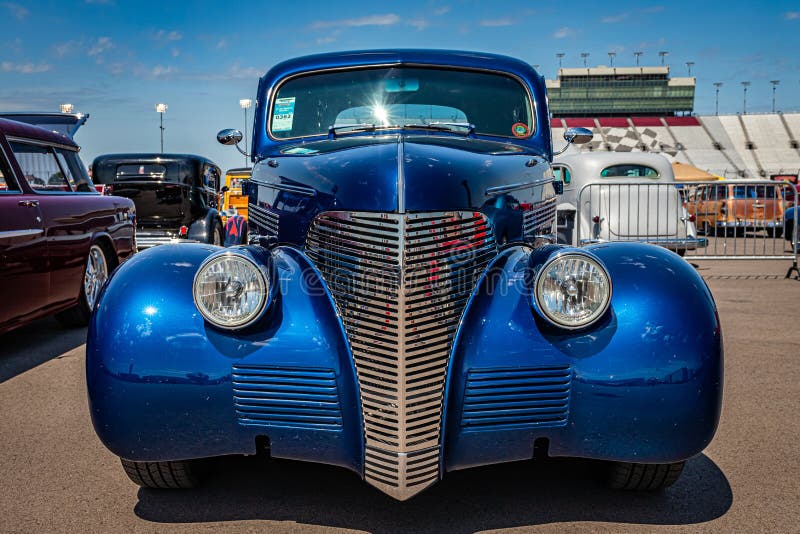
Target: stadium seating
x=733, y=146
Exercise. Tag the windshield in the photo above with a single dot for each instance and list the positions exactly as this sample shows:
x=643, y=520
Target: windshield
x=629, y=171
x=402, y=96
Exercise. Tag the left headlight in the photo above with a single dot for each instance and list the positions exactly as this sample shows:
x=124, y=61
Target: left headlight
x=230, y=291
x=572, y=290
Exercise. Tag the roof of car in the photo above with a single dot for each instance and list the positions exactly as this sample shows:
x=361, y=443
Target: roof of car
x=146, y=157
x=588, y=165
x=458, y=58
x=18, y=129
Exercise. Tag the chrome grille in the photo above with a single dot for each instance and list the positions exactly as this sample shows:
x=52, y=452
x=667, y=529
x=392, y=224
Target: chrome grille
x=400, y=283
x=539, y=220
x=265, y=219
x=530, y=397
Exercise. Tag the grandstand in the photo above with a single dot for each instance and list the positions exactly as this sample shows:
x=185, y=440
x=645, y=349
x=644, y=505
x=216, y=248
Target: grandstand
x=648, y=112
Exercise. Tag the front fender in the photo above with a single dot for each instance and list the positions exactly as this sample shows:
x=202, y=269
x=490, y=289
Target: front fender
x=164, y=384
x=644, y=384
x=200, y=230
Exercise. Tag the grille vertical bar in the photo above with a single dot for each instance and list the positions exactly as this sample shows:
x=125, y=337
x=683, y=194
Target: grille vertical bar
x=400, y=283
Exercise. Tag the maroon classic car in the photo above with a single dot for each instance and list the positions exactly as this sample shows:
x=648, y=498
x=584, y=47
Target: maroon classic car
x=59, y=238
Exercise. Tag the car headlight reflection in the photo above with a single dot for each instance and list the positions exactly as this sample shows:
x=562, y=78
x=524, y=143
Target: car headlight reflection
x=230, y=291
x=572, y=290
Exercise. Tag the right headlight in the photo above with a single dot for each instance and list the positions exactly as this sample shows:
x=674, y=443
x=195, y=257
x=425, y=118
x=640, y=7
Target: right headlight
x=572, y=290
x=230, y=290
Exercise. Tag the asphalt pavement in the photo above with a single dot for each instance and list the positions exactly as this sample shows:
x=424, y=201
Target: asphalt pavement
x=55, y=475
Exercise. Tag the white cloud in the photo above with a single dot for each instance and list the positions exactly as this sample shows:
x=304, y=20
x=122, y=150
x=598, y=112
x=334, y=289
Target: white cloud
x=164, y=35
x=388, y=19
x=103, y=44
x=439, y=11
x=792, y=15
x=176, y=52
x=564, y=32
x=160, y=71
x=67, y=48
x=17, y=11
x=495, y=23
x=613, y=19
x=419, y=24
x=237, y=71
x=25, y=68
x=222, y=43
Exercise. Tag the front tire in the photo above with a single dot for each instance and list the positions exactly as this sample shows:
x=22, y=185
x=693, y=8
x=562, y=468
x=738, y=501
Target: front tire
x=643, y=477
x=217, y=237
x=94, y=277
x=183, y=474
x=775, y=231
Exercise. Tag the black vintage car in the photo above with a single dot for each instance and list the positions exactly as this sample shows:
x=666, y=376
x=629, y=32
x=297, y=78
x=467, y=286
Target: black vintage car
x=176, y=195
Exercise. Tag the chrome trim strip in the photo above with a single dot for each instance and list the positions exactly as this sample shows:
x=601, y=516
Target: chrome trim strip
x=401, y=177
x=39, y=142
x=10, y=234
x=501, y=189
x=308, y=191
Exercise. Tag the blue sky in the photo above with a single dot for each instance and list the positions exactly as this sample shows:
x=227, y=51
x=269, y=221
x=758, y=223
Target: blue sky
x=116, y=59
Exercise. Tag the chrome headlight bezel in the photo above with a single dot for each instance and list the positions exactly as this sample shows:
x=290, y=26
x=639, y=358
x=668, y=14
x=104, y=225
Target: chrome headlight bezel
x=262, y=275
x=539, y=278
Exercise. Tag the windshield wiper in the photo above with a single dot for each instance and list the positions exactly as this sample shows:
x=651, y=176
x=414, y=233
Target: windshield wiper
x=360, y=127
x=444, y=126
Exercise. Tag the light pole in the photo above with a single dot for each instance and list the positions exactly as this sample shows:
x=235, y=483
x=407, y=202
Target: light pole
x=638, y=55
x=161, y=109
x=663, y=54
x=245, y=103
x=66, y=108
x=560, y=55
x=585, y=56
x=611, y=56
x=774, y=86
x=689, y=65
x=745, y=85
x=717, y=85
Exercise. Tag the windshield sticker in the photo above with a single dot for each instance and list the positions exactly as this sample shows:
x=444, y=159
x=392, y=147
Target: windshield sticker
x=283, y=114
x=519, y=129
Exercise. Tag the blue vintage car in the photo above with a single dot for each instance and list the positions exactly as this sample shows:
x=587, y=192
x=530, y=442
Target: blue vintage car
x=375, y=322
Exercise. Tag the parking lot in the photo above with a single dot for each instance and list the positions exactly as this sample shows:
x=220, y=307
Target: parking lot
x=57, y=477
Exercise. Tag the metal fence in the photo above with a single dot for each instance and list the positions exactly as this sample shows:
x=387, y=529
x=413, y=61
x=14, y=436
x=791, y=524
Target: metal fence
x=700, y=220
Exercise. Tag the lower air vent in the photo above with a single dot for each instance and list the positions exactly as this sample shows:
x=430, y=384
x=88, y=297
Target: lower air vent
x=539, y=219
x=504, y=398
x=286, y=397
x=266, y=219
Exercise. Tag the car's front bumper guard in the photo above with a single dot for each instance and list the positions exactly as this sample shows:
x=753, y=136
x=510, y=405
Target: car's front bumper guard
x=148, y=241
x=688, y=243
x=750, y=224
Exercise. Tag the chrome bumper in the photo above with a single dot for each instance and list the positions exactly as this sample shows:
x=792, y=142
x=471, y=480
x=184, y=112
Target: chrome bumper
x=148, y=241
x=750, y=224
x=686, y=243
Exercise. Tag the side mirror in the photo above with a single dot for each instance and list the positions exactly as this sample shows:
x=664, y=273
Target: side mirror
x=232, y=137
x=224, y=189
x=576, y=136
x=558, y=185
